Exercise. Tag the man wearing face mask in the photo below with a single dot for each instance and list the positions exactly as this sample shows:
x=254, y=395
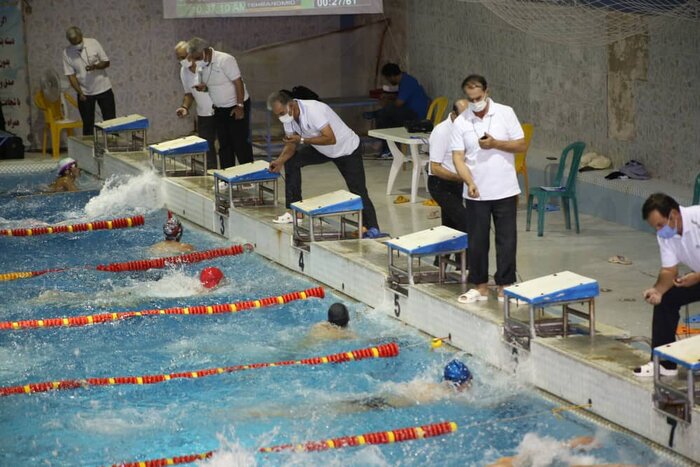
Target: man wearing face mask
x=315, y=134
x=84, y=63
x=220, y=77
x=206, y=127
x=484, y=140
x=678, y=233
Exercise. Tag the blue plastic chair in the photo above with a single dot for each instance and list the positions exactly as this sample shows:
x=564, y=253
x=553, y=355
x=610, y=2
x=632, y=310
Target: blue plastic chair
x=565, y=191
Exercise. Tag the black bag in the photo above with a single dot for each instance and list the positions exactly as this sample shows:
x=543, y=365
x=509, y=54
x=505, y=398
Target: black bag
x=302, y=92
x=11, y=146
x=419, y=126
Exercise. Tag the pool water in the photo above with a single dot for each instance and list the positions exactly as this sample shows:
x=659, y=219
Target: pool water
x=233, y=413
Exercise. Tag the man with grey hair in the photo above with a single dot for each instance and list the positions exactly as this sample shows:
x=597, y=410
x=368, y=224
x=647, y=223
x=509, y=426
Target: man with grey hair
x=84, y=63
x=315, y=134
x=220, y=77
x=206, y=127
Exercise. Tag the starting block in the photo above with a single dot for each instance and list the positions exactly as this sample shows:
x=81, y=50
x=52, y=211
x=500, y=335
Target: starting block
x=439, y=241
x=333, y=216
x=561, y=289
x=677, y=400
x=122, y=134
x=180, y=157
x=228, y=185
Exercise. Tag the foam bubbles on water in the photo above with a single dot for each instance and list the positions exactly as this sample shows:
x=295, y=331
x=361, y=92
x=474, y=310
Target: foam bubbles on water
x=142, y=193
x=230, y=454
x=543, y=451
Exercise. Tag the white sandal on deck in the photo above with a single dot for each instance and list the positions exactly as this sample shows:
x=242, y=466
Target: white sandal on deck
x=472, y=296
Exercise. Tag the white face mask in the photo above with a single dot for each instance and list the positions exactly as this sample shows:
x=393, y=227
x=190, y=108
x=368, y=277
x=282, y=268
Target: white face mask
x=201, y=64
x=185, y=63
x=286, y=118
x=478, y=106
x=79, y=47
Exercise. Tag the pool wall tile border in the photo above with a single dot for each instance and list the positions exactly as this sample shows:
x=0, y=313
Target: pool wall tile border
x=622, y=401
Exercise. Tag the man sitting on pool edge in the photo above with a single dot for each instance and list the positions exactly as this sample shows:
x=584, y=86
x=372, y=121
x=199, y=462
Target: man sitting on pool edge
x=172, y=229
x=68, y=173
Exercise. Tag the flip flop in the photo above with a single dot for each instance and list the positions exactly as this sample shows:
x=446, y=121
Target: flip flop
x=619, y=259
x=471, y=296
x=401, y=199
x=430, y=202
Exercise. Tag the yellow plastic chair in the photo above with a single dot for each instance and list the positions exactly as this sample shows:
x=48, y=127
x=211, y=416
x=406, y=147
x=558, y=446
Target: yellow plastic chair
x=55, y=121
x=437, y=108
x=520, y=162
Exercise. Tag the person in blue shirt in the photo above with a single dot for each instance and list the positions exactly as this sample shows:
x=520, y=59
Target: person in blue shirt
x=411, y=102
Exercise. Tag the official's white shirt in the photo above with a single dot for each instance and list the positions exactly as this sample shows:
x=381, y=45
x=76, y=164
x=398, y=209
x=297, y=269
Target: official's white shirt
x=493, y=170
x=75, y=60
x=683, y=248
x=313, y=117
x=219, y=75
x=440, y=140
x=204, y=104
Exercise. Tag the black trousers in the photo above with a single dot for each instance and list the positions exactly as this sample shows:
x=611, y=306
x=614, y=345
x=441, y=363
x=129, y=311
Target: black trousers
x=87, y=109
x=449, y=196
x=233, y=136
x=667, y=314
x=351, y=168
x=206, y=128
x=479, y=214
x=391, y=116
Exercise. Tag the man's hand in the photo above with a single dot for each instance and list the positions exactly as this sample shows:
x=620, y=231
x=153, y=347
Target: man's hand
x=182, y=111
x=237, y=112
x=276, y=166
x=652, y=296
x=688, y=280
x=472, y=190
x=292, y=139
x=82, y=97
x=487, y=142
x=89, y=67
x=201, y=87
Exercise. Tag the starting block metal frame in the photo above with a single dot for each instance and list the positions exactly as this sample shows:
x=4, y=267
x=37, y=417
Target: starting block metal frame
x=677, y=401
x=182, y=157
x=560, y=289
x=438, y=241
x=333, y=216
x=121, y=134
x=228, y=186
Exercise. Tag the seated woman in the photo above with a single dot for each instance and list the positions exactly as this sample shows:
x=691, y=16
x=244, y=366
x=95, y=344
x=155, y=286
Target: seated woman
x=68, y=173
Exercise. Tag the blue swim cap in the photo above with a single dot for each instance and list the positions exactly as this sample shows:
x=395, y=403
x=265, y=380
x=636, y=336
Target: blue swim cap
x=457, y=372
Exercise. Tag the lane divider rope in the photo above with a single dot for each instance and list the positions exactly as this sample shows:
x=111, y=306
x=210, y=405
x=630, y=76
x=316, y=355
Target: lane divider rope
x=121, y=223
x=381, y=351
x=87, y=320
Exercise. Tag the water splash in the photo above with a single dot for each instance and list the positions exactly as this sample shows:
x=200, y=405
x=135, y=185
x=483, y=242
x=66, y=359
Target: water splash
x=230, y=454
x=143, y=193
x=544, y=451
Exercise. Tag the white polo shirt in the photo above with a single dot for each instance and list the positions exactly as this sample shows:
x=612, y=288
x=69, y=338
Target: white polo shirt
x=493, y=170
x=440, y=141
x=75, y=60
x=313, y=117
x=219, y=75
x=205, y=107
x=683, y=248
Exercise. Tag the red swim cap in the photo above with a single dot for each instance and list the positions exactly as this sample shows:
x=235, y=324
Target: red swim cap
x=210, y=277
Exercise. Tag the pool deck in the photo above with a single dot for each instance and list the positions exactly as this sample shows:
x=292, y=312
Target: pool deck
x=578, y=369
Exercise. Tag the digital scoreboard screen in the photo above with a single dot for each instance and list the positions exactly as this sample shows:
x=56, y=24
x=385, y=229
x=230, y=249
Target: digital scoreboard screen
x=213, y=8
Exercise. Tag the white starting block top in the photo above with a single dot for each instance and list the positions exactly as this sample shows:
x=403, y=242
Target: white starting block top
x=130, y=122
x=246, y=173
x=430, y=241
x=181, y=146
x=685, y=352
x=560, y=287
x=330, y=203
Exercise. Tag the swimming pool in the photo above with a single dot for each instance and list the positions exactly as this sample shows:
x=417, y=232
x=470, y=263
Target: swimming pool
x=233, y=413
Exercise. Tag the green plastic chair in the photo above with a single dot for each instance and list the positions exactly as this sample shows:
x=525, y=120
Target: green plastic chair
x=565, y=191
x=696, y=192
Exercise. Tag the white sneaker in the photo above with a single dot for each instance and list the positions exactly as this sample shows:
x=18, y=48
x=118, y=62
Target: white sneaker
x=285, y=218
x=647, y=371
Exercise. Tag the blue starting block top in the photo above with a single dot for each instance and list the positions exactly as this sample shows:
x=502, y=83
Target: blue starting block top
x=560, y=287
x=431, y=241
x=330, y=203
x=130, y=122
x=181, y=146
x=685, y=352
x=245, y=173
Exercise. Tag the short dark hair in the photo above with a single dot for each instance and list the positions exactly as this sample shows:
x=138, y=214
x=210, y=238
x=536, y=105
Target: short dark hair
x=475, y=79
x=391, y=69
x=659, y=202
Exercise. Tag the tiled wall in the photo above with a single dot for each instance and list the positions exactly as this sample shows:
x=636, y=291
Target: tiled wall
x=563, y=90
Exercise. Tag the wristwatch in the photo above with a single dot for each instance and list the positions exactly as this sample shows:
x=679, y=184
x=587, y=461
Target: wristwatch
x=239, y=105
x=301, y=140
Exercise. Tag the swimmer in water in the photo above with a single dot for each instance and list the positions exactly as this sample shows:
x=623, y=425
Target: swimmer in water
x=68, y=173
x=172, y=229
x=335, y=328
x=211, y=278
